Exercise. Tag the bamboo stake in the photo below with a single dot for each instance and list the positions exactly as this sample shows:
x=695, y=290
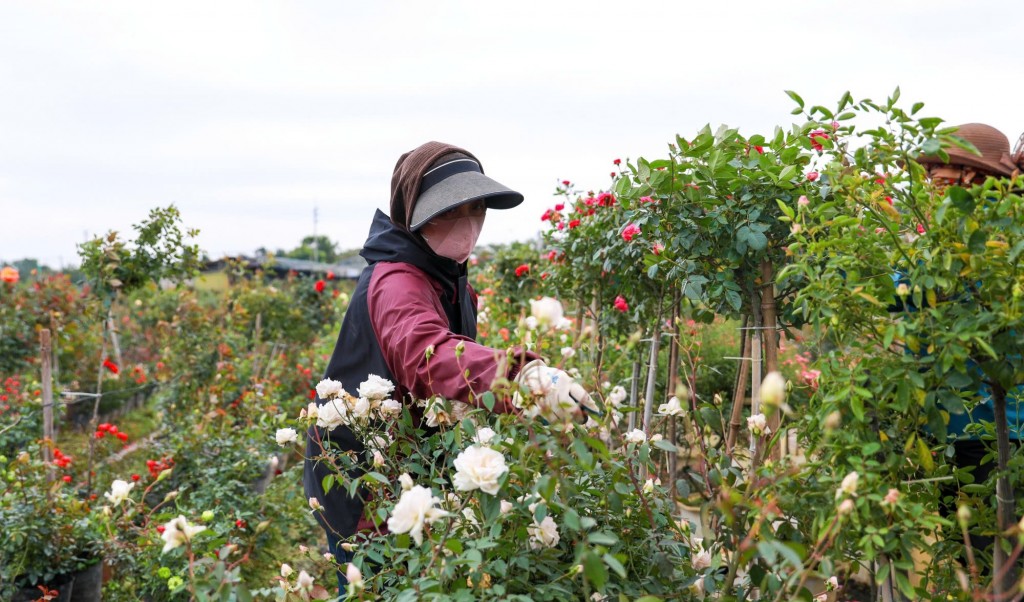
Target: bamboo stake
x=44, y=356
x=1005, y=572
x=634, y=384
x=740, y=388
x=673, y=382
x=652, y=373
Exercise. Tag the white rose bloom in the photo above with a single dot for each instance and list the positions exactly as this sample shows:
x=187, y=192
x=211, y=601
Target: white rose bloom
x=672, y=408
x=286, y=570
x=312, y=410
x=657, y=437
x=546, y=311
x=378, y=459
x=286, y=436
x=177, y=531
x=390, y=407
x=375, y=387
x=484, y=436
x=315, y=504
x=379, y=442
x=701, y=560
x=531, y=323
x=354, y=576
x=635, y=436
x=361, y=409
x=849, y=485
x=482, y=318
x=649, y=485
x=568, y=352
x=414, y=508
x=304, y=582
x=328, y=388
x=563, y=324
x=543, y=534
x=406, y=481
x=758, y=425
x=118, y=491
x=617, y=396
x=479, y=468
x=332, y=414
x=506, y=507
x=773, y=390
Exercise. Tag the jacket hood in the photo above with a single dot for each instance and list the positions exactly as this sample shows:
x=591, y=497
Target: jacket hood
x=389, y=242
x=408, y=175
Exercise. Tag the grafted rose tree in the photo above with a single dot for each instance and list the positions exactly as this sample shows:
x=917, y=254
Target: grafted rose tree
x=916, y=292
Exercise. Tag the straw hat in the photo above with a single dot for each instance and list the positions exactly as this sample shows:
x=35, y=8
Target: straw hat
x=993, y=145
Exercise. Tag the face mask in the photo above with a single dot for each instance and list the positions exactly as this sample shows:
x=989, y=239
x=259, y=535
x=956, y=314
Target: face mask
x=455, y=238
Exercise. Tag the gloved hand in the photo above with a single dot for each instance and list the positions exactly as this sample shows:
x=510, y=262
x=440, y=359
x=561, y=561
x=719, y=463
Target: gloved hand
x=555, y=396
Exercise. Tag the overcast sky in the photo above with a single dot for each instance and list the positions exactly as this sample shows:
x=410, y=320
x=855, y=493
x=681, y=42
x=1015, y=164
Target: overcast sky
x=248, y=115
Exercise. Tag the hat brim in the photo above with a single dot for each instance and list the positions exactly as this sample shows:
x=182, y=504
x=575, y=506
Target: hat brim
x=460, y=189
x=959, y=156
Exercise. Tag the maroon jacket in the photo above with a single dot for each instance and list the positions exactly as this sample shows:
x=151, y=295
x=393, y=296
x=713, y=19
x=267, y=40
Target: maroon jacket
x=407, y=299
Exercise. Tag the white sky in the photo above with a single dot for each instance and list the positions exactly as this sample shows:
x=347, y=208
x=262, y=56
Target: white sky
x=247, y=115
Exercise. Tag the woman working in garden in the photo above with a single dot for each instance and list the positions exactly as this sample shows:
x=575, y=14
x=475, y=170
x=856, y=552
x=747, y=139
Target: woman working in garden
x=412, y=318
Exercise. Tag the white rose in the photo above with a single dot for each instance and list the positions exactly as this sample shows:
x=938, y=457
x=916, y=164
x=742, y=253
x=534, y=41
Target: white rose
x=568, y=352
x=657, y=437
x=531, y=323
x=332, y=414
x=286, y=436
x=773, y=390
x=118, y=491
x=635, y=436
x=617, y=396
x=327, y=388
x=849, y=485
x=375, y=387
x=312, y=410
x=546, y=311
x=563, y=324
x=506, y=507
x=649, y=485
x=543, y=534
x=672, y=408
x=286, y=570
x=378, y=459
x=757, y=424
x=390, y=407
x=406, y=481
x=315, y=504
x=361, y=409
x=701, y=560
x=177, y=531
x=304, y=582
x=484, y=436
x=414, y=508
x=354, y=576
x=479, y=468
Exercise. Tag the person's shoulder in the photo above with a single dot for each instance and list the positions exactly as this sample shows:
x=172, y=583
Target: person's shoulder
x=398, y=269
x=399, y=277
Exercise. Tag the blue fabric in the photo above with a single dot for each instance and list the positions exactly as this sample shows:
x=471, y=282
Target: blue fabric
x=984, y=411
x=342, y=557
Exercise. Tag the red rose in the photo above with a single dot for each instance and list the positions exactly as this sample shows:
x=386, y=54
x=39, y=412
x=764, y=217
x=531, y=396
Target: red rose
x=574, y=223
x=160, y=529
x=136, y=477
x=552, y=255
x=559, y=206
x=759, y=149
x=523, y=269
x=630, y=231
x=812, y=176
x=566, y=183
x=330, y=275
x=617, y=162
x=9, y=274
x=319, y=286
x=546, y=216
x=658, y=248
x=606, y=199
x=111, y=366
x=817, y=136
x=240, y=523
x=67, y=478
x=920, y=229
x=620, y=304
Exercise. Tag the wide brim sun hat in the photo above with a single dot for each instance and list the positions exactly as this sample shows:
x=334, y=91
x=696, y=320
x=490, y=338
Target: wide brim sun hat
x=993, y=145
x=454, y=180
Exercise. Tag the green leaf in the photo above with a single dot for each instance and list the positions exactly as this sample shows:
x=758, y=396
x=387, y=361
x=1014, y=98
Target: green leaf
x=976, y=244
x=488, y=400
x=665, y=445
x=924, y=456
x=602, y=538
x=796, y=98
x=961, y=199
x=614, y=564
x=594, y=569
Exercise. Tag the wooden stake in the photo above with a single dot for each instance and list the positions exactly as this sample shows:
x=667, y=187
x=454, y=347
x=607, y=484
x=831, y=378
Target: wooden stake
x=44, y=357
x=771, y=341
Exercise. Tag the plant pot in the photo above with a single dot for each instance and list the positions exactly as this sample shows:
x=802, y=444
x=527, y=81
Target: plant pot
x=88, y=584
x=63, y=584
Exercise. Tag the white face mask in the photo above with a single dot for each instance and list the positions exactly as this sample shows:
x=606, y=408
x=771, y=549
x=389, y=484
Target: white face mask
x=454, y=239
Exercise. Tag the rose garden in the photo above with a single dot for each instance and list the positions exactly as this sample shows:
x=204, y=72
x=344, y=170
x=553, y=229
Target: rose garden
x=776, y=328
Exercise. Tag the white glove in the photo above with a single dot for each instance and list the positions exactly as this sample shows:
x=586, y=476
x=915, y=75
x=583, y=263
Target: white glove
x=555, y=396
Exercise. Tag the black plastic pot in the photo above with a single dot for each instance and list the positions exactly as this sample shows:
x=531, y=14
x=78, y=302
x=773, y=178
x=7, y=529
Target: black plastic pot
x=63, y=585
